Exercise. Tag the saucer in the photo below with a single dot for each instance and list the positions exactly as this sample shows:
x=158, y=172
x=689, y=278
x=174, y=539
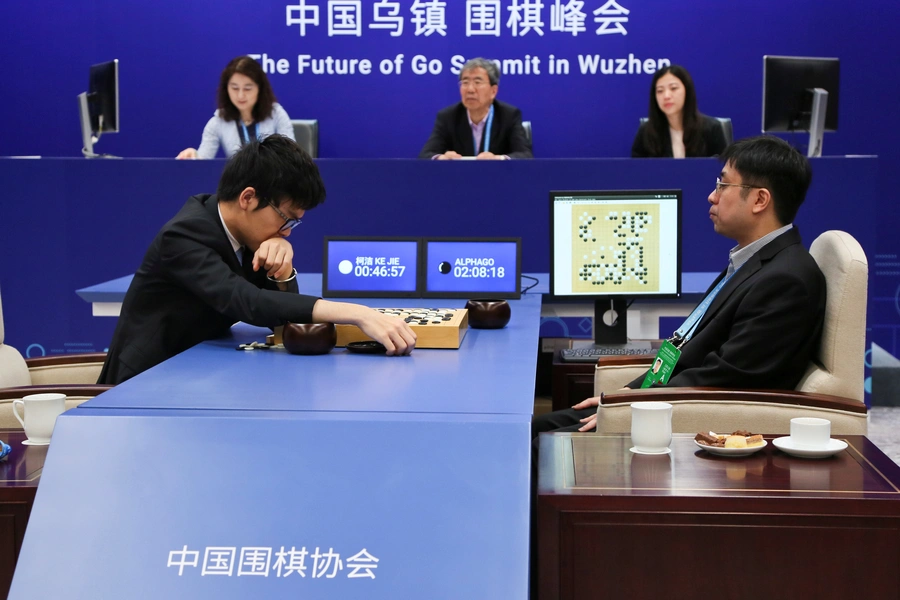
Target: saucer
x=785, y=445
x=30, y=443
x=636, y=451
x=731, y=451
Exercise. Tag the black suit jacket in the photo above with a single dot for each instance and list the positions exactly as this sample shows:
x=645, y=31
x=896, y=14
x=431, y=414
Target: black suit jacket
x=452, y=132
x=190, y=288
x=763, y=327
x=710, y=130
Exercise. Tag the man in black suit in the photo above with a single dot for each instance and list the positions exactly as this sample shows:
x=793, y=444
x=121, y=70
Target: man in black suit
x=225, y=258
x=764, y=324
x=480, y=125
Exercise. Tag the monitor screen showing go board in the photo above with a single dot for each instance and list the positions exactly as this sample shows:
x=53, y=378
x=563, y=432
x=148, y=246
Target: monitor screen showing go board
x=608, y=243
x=365, y=267
x=472, y=267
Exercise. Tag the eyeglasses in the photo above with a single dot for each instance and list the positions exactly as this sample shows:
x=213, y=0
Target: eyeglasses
x=477, y=82
x=721, y=185
x=289, y=223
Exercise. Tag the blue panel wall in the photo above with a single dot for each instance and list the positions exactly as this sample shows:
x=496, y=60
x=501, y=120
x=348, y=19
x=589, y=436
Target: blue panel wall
x=171, y=54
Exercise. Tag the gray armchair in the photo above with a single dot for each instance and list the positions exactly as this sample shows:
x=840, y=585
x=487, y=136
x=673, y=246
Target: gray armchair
x=526, y=125
x=306, y=133
x=725, y=122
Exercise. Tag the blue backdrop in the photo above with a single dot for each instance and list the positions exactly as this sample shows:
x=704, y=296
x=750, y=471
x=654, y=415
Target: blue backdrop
x=171, y=54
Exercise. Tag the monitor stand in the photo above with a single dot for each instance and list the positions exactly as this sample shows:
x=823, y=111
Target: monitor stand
x=817, y=121
x=87, y=135
x=611, y=325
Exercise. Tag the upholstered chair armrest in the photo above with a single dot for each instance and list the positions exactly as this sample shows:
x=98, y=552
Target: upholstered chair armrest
x=71, y=391
x=614, y=372
x=723, y=411
x=66, y=368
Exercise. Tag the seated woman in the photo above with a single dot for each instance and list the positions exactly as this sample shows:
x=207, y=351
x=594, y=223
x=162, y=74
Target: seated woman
x=247, y=111
x=675, y=128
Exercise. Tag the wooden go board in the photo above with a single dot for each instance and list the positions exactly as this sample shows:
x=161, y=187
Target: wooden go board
x=434, y=327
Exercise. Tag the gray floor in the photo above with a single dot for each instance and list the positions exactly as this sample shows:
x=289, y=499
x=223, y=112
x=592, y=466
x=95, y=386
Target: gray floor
x=884, y=430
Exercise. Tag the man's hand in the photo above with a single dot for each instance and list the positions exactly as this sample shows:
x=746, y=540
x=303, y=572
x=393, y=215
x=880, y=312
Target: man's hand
x=449, y=155
x=590, y=422
x=187, y=153
x=490, y=156
x=276, y=256
x=392, y=332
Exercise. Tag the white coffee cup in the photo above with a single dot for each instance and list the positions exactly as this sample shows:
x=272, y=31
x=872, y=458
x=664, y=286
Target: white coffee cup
x=810, y=432
x=40, y=412
x=651, y=427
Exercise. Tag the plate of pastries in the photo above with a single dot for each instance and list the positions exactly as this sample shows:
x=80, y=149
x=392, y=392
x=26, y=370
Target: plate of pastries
x=738, y=443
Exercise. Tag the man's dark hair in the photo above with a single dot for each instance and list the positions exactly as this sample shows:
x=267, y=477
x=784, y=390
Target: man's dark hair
x=770, y=162
x=278, y=169
x=265, y=98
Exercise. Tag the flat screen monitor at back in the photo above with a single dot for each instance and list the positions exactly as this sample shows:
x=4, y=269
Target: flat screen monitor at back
x=99, y=106
x=801, y=94
x=614, y=246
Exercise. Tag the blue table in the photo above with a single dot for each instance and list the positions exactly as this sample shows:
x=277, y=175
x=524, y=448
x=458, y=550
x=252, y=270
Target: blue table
x=140, y=504
x=422, y=462
x=493, y=372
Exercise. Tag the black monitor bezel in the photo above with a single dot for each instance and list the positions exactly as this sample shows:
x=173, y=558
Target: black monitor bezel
x=475, y=293
x=785, y=78
x=594, y=193
x=326, y=293
x=103, y=96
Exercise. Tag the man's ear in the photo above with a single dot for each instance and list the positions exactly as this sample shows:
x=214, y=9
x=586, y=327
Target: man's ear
x=247, y=198
x=763, y=200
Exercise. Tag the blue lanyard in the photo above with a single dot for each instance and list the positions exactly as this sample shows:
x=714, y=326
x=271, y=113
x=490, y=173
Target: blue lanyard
x=487, y=133
x=255, y=130
x=687, y=328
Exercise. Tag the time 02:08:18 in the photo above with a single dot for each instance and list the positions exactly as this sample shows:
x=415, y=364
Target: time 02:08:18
x=481, y=272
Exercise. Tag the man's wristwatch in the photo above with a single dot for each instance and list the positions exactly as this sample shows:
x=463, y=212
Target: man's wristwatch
x=291, y=278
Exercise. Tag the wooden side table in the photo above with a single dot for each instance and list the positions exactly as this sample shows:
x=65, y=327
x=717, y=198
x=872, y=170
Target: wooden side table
x=19, y=477
x=689, y=524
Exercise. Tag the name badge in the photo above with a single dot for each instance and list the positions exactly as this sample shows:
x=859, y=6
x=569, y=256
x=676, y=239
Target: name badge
x=663, y=365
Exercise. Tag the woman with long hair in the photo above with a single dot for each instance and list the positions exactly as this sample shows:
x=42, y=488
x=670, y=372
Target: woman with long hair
x=675, y=128
x=247, y=111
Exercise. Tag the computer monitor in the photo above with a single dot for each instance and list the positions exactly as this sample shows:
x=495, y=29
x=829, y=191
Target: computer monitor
x=801, y=94
x=612, y=247
x=99, y=106
x=370, y=267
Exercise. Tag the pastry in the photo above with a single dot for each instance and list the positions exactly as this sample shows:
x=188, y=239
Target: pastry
x=736, y=441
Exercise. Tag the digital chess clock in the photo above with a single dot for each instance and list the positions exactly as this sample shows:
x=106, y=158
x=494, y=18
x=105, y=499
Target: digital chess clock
x=370, y=267
x=471, y=267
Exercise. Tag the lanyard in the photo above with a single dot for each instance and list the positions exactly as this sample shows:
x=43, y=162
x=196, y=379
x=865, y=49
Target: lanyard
x=487, y=133
x=687, y=328
x=247, y=134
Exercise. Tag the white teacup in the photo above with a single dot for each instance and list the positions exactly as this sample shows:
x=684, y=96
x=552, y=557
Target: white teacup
x=651, y=427
x=810, y=432
x=40, y=412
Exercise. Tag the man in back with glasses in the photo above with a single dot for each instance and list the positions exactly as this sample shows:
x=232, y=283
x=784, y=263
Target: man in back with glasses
x=479, y=126
x=763, y=324
x=225, y=258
